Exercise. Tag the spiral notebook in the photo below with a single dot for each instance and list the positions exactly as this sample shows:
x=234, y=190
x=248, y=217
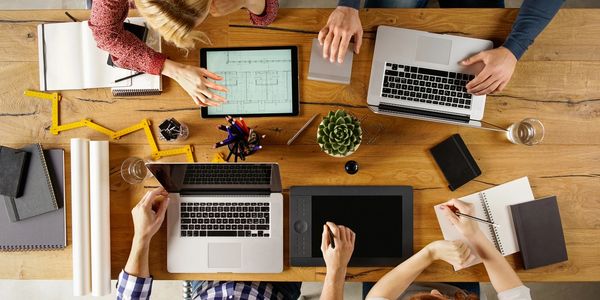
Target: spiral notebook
x=493, y=205
x=43, y=232
x=145, y=84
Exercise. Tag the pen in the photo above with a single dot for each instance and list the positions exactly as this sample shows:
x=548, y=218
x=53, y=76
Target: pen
x=476, y=219
x=130, y=76
x=331, y=237
x=301, y=129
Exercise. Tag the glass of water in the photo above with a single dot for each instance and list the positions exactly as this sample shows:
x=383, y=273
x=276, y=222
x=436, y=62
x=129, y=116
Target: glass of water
x=134, y=171
x=527, y=132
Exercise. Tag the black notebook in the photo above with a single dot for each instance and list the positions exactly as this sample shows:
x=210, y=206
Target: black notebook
x=38, y=195
x=13, y=167
x=43, y=232
x=539, y=232
x=455, y=161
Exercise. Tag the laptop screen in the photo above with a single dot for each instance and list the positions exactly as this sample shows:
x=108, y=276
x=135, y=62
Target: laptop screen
x=376, y=220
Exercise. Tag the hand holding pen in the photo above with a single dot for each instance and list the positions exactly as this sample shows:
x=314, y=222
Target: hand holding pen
x=466, y=225
x=337, y=245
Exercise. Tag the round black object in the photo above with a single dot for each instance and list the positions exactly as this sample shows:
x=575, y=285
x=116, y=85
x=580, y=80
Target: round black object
x=351, y=167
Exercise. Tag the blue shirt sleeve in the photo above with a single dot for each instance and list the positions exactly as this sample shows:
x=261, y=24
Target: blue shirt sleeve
x=130, y=287
x=349, y=3
x=533, y=17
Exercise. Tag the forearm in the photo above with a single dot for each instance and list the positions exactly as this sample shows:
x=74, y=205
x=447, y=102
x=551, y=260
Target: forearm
x=137, y=263
x=394, y=283
x=333, y=286
x=501, y=274
x=533, y=17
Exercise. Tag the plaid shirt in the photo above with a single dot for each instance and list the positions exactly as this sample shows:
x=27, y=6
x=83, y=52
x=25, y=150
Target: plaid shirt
x=130, y=287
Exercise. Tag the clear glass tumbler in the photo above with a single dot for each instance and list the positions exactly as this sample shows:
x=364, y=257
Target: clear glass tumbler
x=526, y=132
x=134, y=171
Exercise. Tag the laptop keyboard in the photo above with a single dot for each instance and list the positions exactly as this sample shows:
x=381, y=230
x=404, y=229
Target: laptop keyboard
x=228, y=174
x=424, y=85
x=225, y=219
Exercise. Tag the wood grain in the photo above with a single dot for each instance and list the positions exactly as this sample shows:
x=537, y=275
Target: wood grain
x=556, y=81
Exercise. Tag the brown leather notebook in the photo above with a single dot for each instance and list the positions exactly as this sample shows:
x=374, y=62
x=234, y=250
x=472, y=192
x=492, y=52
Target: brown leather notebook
x=539, y=232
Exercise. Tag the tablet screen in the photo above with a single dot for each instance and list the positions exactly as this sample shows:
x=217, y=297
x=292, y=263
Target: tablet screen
x=376, y=220
x=260, y=81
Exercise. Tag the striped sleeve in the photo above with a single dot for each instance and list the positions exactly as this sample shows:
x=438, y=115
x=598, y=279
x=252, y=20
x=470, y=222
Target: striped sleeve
x=130, y=287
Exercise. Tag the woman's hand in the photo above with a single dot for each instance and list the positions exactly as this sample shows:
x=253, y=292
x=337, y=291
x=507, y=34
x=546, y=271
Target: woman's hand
x=149, y=214
x=337, y=258
x=342, y=25
x=499, y=65
x=466, y=226
x=195, y=81
x=455, y=253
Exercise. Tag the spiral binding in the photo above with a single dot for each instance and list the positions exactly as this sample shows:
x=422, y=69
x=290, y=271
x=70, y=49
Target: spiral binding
x=47, y=174
x=493, y=230
x=136, y=92
x=31, y=247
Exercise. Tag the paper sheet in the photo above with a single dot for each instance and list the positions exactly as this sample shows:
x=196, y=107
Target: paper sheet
x=100, y=217
x=80, y=216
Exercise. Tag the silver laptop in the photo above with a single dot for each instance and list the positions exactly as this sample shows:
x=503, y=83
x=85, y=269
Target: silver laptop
x=224, y=217
x=418, y=75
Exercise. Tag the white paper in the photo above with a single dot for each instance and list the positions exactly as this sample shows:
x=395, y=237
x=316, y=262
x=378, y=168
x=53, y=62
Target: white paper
x=80, y=216
x=100, y=217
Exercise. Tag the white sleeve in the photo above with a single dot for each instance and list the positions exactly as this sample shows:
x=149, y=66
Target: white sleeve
x=518, y=293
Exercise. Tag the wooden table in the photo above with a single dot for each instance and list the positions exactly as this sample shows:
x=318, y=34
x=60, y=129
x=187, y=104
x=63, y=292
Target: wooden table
x=557, y=81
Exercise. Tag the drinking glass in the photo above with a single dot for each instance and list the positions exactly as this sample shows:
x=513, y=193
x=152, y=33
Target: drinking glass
x=134, y=171
x=526, y=132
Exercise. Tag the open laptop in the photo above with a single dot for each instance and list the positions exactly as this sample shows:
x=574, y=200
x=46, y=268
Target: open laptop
x=223, y=217
x=417, y=74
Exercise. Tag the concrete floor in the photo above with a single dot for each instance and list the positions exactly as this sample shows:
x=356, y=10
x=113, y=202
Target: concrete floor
x=168, y=289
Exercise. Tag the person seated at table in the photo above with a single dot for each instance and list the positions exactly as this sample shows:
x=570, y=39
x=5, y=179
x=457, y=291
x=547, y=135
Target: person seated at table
x=135, y=281
x=397, y=283
x=175, y=21
x=499, y=63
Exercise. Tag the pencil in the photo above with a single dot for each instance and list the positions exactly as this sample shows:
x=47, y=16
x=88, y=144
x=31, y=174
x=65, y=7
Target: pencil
x=301, y=129
x=476, y=219
x=130, y=76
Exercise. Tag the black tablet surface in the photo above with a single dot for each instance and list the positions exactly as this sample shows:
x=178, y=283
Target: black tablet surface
x=262, y=81
x=381, y=217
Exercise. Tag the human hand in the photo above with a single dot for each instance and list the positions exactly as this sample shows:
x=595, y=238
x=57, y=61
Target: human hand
x=195, y=81
x=455, y=253
x=342, y=25
x=336, y=259
x=466, y=226
x=149, y=214
x=499, y=65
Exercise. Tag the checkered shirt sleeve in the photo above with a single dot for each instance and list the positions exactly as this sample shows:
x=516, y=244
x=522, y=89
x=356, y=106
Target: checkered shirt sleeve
x=130, y=287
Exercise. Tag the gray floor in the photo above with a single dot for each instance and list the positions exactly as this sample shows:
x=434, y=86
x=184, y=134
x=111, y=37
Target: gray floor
x=167, y=289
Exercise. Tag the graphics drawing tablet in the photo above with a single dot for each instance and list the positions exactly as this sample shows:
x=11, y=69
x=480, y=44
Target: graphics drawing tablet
x=261, y=81
x=381, y=217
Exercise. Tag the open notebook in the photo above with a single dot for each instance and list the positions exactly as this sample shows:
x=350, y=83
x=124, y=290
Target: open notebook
x=494, y=205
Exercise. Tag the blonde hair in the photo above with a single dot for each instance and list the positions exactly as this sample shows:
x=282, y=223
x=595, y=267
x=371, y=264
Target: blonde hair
x=175, y=20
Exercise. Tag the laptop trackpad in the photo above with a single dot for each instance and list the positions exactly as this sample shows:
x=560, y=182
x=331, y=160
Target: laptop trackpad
x=434, y=50
x=224, y=255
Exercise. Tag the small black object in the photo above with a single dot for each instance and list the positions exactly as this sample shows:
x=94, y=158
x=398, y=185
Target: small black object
x=455, y=161
x=13, y=169
x=170, y=129
x=351, y=167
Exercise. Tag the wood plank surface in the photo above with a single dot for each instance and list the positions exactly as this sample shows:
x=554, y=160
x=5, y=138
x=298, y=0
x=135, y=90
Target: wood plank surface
x=557, y=81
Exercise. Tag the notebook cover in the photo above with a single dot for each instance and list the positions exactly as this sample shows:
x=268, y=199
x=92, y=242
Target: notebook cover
x=455, y=161
x=539, y=232
x=13, y=167
x=42, y=232
x=38, y=195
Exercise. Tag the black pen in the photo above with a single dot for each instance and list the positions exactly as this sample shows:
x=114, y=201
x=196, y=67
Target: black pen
x=458, y=213
x=331, y=237
x=130, y=76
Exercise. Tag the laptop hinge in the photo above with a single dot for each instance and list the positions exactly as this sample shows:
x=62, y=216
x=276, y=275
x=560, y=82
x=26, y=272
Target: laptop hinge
x=425, y=113
x=205, y=192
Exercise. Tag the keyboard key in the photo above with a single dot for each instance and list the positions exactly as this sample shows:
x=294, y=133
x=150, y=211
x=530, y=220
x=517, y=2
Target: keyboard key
x=222, y=233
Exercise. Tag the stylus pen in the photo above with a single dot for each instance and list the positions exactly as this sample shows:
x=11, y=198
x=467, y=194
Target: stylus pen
x=331, y=237
x=302, y=129
x=130, y=76
x=476, y=219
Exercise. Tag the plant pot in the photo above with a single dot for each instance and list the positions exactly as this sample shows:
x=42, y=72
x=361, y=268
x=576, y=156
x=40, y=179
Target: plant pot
x=338, y=131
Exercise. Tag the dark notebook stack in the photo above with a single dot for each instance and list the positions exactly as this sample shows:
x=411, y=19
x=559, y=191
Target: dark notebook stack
x=539, y=232
x=32, y=187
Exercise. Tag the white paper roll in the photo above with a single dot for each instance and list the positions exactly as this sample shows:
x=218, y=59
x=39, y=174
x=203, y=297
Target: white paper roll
x=80, y=212
x=100, y=217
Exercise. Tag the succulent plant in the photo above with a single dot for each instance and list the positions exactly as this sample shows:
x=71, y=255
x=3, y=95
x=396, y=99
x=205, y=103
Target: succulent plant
x=339, y=134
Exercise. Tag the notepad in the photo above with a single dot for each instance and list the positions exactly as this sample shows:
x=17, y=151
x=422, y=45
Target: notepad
x=145, y=84
x=43, y=232
x=493, y=205
x=70, y=60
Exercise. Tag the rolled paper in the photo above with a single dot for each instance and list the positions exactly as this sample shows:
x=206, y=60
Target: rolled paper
x=100, y=217
x=80, y=214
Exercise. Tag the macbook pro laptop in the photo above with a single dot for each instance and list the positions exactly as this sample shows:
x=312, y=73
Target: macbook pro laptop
x=223, y=217
x=418, y=75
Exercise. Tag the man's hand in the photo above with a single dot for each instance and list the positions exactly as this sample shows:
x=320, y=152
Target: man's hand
x=342, y=25
x=455, y=253
x=466, y=226
x=336, y=259
x=195, y=81
x=499, y=65
x=149, y=214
